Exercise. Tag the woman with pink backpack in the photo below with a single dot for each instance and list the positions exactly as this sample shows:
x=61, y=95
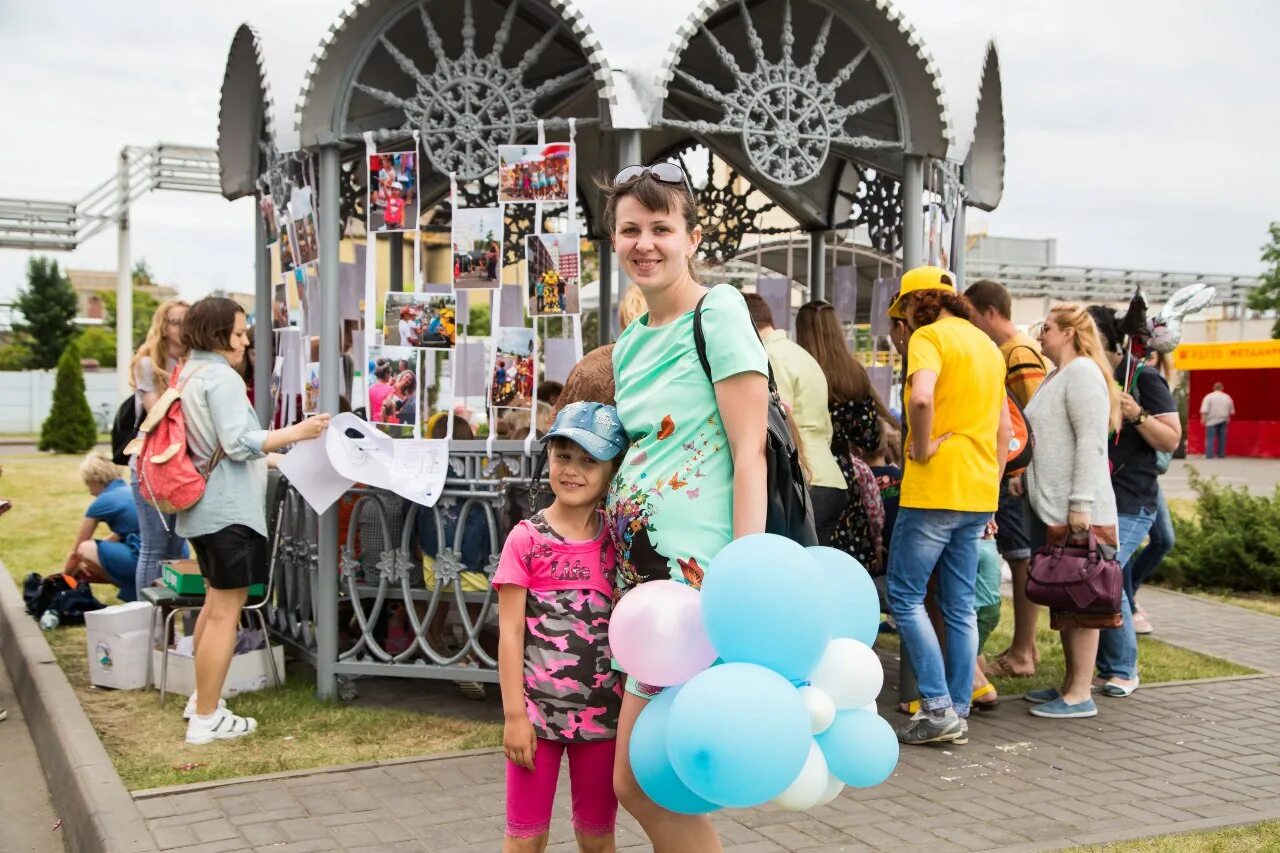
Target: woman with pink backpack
x=228, y=525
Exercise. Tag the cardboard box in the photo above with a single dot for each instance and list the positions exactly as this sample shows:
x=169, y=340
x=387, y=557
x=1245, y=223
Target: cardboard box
x=117, y=641
x=249, y=671
x=184, y=578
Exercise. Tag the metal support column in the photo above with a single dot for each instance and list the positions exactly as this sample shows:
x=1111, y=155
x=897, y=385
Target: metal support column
x=604, y=251
x=124, y=281
x=628, y=155
x=264, y=339
x=912, y=211
x=395, y=262
x=330, y=379
x=817, y=265
x=959, y=246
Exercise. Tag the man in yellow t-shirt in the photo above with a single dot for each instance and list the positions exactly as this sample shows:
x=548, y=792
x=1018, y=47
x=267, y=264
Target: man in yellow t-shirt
x=957, y=443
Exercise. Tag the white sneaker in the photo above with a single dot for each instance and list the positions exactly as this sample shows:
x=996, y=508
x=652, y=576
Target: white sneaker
x=190, y=711
x=220, y=725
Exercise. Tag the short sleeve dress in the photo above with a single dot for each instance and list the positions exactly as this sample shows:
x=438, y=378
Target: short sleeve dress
x=670, y=506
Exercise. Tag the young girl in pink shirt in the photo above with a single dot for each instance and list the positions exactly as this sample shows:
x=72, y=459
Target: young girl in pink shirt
x=555, y=593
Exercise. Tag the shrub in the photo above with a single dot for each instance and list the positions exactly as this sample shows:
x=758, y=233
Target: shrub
x=99, y=344
x=70, y=427
x=1233, y=542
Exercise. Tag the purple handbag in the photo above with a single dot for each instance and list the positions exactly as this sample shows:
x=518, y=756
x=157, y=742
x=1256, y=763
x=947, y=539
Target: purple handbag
x=1075, y=579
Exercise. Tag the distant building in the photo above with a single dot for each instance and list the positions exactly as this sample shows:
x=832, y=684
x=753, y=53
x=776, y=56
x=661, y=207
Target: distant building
x=90, y=309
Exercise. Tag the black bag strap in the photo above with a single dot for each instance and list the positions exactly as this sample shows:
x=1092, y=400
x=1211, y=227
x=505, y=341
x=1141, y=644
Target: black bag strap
x=700, y=344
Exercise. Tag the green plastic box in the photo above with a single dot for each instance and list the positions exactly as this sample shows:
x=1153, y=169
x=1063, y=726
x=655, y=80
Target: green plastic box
x=184, y=578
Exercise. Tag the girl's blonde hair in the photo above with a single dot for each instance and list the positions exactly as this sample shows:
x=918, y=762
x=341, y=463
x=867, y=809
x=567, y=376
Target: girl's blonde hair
x=97, y=470
x=1088, y=342
x=630, y=307
x=154, y=347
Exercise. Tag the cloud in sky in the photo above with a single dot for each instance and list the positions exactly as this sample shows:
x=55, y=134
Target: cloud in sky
x=1139, y=134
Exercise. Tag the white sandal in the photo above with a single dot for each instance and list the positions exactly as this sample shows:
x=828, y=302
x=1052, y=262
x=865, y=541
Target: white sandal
x=220, y=725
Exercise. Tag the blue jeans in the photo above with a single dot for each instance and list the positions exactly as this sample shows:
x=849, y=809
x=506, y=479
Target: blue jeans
x=925, y=539
x=1215, y=439
x=157, y=542
x=1118, y=647
x=1146, y=561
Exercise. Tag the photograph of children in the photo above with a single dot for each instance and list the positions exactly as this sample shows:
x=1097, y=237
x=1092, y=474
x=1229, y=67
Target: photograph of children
x=395, y=379
x=511, y=384
x=534, y=172
x=477, y=247
x=288, y=255
x=393, y=191
x=280, y=306
x=303, y=213
x=553, y=274
x=420, y=320
x=267, y=209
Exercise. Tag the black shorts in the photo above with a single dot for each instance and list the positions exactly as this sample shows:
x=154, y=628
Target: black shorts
x=232, y=558
x=1011, y=538
x=828, y=505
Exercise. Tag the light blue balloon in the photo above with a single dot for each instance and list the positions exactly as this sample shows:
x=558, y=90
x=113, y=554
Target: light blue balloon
x=764, y=601
x=855, y=604
x=652, y=767
x=738, y=734
x=860, y=747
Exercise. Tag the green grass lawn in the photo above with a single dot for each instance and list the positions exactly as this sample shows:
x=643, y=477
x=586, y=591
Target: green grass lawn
x=1243, y=839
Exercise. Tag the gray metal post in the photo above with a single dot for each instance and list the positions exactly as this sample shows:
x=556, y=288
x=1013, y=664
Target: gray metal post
x=959, y=247
x=604, y=251
x=912, y=211
x=395, y=261
x=124, y=281
x=628, y=155
x=263, y=319
x=330, y=378
x=818, y=264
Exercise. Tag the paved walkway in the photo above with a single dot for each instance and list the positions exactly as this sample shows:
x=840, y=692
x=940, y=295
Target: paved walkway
x=26, y=816
x=1168, y=759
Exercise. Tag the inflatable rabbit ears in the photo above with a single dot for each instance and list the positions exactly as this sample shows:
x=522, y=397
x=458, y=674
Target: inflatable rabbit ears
x=1164, y=331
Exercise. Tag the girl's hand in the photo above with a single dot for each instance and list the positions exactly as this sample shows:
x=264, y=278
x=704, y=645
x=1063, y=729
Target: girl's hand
x=519, y=741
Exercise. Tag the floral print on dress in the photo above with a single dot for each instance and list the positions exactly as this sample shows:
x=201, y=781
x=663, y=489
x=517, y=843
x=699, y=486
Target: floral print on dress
x=856, y=423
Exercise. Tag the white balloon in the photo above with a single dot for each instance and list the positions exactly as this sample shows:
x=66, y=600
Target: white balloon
x=809, y=786
x=849, y=672
x=833, y=789
x=822, y=711
x=871, y=706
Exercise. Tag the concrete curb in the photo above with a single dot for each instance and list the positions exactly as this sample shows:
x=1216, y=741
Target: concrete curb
x=98, y=815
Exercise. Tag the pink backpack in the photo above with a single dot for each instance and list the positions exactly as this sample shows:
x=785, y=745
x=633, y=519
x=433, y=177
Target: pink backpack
x=167, y=475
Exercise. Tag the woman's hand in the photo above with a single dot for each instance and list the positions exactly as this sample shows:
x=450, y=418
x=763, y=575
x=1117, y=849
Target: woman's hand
x=924, y=454
x=519, y=740
x=1078, y=521
x=312, y=427
x=1129, y=407
x=1017, y=487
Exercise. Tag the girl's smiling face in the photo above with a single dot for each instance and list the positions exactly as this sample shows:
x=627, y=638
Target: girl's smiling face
x=654, y=247
x=577, y=478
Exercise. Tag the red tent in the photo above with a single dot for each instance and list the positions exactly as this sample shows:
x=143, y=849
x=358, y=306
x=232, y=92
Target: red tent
x=1250, y=372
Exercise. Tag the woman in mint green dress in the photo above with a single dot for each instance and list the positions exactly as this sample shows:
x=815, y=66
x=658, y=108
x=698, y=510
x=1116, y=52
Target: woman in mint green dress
x=694, y=478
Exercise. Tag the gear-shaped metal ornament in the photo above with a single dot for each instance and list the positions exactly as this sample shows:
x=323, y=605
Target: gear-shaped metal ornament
x=789, y=118
x=468, y=105
x=877, y=204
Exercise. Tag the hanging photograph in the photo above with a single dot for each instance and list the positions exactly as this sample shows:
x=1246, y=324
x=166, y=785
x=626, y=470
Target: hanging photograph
x=288, y=254
x=553, y=274
x=311, y=391
x=395, y=385
x=270, y=220
x=477, y=247
x=303, y=213
x=511, y=382
x=280, y=305
x=534, y=172
x=420, y=320
x=393, y=191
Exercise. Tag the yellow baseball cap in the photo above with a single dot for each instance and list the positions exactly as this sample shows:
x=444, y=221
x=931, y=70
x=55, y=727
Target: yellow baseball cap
x=920, y=278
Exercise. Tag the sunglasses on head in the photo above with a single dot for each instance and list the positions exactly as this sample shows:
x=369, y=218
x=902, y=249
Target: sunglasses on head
x=666, y=173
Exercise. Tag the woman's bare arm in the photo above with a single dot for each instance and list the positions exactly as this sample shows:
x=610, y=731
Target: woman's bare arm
x=743, y=400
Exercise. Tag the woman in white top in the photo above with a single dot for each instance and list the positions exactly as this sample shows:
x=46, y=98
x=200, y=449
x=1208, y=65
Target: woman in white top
x=149, y=372
x=1068, y=484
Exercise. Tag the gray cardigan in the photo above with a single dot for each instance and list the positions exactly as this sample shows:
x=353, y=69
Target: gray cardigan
x=1069, y=469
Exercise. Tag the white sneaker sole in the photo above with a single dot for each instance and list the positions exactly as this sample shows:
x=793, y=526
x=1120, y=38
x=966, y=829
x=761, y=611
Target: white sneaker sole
x=1072, y=715
x=206, y=737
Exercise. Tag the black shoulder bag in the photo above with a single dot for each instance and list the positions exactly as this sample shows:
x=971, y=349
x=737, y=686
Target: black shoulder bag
x=789, y=511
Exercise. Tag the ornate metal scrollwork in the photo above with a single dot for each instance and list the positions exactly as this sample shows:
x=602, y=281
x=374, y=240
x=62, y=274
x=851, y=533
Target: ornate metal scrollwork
x=468, y=105
x=353, y=194
x=877, y=204
x=788, y=117
x=448, y=565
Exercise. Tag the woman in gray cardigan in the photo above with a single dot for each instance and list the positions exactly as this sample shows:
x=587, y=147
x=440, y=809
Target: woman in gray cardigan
x=1068, y=485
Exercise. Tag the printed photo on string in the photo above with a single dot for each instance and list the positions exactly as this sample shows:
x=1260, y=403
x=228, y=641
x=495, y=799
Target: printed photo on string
x=534, y=172
x=511, y=382
x=420, y=320
x=267, y=209
x=280, y=305
x=393, y=191
x=284, y=244
x=477, y=247
x=303, y=213
x=553, y=274
x=311, y=391
x=395, y=384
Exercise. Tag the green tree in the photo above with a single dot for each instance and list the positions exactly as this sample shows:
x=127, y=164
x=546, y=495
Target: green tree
x=15, y=355
x=70, y=427
x=478, y=321
x=99, y=344
x=1267, y=297
x=48, y=308
x=144, y=308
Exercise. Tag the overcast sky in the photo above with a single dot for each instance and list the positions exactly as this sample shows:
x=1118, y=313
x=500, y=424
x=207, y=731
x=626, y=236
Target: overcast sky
x=1140, y=134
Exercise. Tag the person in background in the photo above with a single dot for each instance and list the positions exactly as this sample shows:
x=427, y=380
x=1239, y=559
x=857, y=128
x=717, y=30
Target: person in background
x=407, y=389
x=886, y=467
x=591, y=379
x=149, y=372
x=1161, y=539
x=1025, y=369
x=549, y=392
x=113, y=560
x=958, y=432
x=1151, y=424
x=1216, y=410
x=802, y=385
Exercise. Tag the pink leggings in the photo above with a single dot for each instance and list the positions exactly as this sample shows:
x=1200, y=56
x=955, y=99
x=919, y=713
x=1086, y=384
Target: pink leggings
x=531, y=793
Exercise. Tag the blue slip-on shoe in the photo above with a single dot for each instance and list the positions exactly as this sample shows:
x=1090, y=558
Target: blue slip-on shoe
x=1044, y=694
x=1060, y=709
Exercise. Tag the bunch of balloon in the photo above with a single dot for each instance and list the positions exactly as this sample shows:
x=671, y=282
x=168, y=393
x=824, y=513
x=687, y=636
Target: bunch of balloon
x=770, y=680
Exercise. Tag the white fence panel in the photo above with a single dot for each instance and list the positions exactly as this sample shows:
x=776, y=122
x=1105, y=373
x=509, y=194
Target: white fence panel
x=27, y=396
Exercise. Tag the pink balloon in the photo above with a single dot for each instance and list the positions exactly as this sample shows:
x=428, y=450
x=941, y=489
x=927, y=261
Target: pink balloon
x=657, y=635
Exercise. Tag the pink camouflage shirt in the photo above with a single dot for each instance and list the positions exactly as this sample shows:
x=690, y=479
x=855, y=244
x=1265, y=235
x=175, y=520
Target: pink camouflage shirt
x=572, y=692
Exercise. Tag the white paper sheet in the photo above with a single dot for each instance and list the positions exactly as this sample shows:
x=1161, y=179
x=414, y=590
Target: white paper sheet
x=560, y=355
x=419, y=468
x=309, y=470
x=473, y=364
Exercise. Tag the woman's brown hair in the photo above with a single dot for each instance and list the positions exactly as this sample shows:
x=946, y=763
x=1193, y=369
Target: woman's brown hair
x=924, y=306
x=818, y=332
x=209, y=323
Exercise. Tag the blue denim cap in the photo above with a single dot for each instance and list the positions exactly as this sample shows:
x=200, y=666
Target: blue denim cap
x=595, y=427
